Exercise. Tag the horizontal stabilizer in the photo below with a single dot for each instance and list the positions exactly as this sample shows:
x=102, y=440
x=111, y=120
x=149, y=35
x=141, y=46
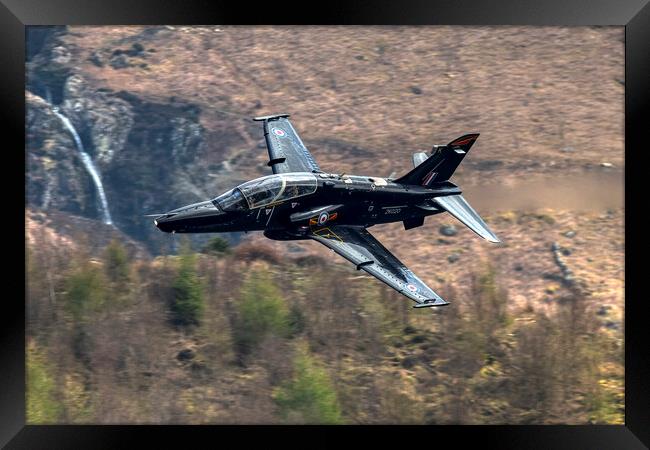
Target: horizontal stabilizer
x=419, y=158
x=458, y=207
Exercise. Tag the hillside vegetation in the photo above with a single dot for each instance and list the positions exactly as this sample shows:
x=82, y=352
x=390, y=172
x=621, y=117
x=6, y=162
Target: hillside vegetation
x=245, y=337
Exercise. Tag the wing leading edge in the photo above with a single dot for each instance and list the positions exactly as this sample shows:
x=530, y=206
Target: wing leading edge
x=361, y=248
x=287, y=153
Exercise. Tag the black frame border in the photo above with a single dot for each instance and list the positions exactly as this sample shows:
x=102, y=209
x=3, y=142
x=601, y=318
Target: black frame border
x=634, y=15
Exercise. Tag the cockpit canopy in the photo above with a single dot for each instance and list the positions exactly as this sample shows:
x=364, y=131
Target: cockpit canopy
x=267, y=190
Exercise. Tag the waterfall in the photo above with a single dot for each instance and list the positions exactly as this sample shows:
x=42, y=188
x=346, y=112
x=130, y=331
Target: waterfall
x=47, y=195
x=88, y=163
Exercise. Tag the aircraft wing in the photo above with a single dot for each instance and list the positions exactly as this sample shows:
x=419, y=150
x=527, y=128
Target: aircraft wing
x=287, y=153
x=359, y=247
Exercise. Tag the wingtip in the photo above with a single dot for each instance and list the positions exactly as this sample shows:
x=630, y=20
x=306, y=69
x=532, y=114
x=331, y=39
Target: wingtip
x=489, y=236
x=494, y=240
x=270, y=117
x=431, y=302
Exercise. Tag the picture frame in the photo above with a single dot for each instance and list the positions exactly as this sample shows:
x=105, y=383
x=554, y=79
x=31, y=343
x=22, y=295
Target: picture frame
x=634, y=15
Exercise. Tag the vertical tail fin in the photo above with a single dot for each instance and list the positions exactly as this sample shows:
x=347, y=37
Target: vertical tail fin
x=442, y=163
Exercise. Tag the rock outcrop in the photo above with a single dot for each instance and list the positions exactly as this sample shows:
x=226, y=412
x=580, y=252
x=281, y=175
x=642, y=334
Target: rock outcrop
x=146, y=150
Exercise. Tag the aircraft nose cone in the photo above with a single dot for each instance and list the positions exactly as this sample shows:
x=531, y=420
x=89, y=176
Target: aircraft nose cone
x=163, y=223
x=194, y=218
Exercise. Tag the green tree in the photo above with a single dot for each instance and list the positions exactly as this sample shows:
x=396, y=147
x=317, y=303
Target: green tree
x=85, y=290
x=42, y=405
x=116, y=262
x=309, y=396
x=297, y=320
x=217, y=245
x=187, y=302
x=262, y=312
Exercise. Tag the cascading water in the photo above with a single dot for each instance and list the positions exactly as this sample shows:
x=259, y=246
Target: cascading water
x=88, y=163
x=48, y=95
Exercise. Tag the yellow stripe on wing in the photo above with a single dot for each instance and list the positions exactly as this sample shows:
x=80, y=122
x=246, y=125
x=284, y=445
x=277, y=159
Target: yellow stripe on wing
x=329, y=234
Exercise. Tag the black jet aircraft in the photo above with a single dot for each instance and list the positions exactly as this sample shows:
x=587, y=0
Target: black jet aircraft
x=300, y=201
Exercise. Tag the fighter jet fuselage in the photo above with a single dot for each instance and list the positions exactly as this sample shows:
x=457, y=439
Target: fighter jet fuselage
x=337, y=199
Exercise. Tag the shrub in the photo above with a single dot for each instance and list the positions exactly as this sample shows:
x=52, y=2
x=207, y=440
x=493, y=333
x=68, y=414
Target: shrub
x=116, y=262
x=217, y=245
x=297, y=320
x=309, y=396
x=42, y=406
x=251, y=251
x=77, y=399
x=262, y=311
x=85, y=290
x=490, y=301
x=187, y=300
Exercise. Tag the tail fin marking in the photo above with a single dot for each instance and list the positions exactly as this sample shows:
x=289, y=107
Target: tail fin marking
x=442, y=163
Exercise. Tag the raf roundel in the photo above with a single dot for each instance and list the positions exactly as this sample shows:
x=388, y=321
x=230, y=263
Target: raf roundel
x=411, y=287
x=324, y=216
x=279, y=132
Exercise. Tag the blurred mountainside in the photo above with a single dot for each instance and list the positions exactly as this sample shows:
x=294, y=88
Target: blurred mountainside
x=164, y=111
x=127, y=324
x=164, y=114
